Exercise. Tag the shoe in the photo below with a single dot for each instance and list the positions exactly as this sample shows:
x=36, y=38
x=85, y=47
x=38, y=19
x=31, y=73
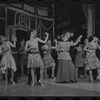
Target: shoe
x=13, y=83
x=53, y=77
x=6, y=83
x=98, y=78
x=41, y=83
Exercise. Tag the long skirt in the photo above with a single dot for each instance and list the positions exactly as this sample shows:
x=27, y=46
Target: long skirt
x=66, y=71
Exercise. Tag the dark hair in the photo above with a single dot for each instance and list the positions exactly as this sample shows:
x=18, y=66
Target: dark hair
x=62, y=36
x=90, y=38
x=81, y=45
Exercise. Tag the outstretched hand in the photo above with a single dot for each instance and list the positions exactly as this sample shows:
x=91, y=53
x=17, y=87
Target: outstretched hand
x=46, y=34
x=15, y=38
x=79, y=38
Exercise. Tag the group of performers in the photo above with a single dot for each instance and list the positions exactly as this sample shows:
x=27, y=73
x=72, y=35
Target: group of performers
x=67, y=70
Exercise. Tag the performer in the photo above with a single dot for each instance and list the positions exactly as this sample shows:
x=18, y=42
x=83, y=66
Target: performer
x=7, y=59
x=66, y=69
x=80, y=60
x=48, y=60
x=34, y=58
x=23, y=61
x=1, y=65
x=15, y=55
x=92, y=62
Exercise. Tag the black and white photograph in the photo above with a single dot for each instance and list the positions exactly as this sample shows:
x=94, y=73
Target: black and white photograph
x=50, y=49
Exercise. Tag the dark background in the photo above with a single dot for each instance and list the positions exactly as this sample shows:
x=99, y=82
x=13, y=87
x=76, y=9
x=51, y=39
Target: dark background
x=72, y=14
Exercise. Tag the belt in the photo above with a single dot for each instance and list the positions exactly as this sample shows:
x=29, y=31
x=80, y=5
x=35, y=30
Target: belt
x=37, y=52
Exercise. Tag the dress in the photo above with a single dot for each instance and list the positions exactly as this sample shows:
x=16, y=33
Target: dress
x=7, y=58
x=65, y=66
x=34, y=57
x=91, y=61
x=47, y=59
x=80, y=59
x=23, y=60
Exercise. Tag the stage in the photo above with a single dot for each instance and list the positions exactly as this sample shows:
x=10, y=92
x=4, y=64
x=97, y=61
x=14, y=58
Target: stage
x=82, y=88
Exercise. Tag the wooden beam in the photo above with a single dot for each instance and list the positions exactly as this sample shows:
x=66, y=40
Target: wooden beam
x=28, y=14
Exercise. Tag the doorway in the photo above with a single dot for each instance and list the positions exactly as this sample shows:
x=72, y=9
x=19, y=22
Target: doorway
x=21, y=35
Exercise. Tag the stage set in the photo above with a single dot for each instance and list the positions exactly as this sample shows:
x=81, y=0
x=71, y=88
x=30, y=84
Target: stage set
x=16, y=20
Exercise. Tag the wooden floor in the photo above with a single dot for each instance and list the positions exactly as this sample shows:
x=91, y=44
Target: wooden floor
x=81, y=88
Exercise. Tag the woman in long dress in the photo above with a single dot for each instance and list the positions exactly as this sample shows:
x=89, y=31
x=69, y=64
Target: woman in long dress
x=66, y=68
x=7, y=59
x=34, y=58
x=92, y=62
x=47, y=59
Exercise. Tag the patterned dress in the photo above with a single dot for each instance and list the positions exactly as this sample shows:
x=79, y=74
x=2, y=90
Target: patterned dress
x=91, y=61
x=34, y=58
x=7, y=58
x=23, y=60
x=47, y=59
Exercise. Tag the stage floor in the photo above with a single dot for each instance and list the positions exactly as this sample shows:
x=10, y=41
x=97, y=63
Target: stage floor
x=82, y=88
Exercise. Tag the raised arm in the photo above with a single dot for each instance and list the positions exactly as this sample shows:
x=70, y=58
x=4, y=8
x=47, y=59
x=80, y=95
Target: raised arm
x=12, y=45
x=77, y=41
x=44, y=41
x=54, y=47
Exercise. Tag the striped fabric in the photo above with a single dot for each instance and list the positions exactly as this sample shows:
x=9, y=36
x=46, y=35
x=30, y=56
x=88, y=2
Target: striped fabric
x=89, y=11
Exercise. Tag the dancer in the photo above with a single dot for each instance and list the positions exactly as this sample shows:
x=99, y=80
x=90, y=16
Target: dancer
x=34, y=58
x=23, y=61
x=15, y=55
x=1, y=65
x=92, y=62
x=48, y=60
x=80, y=60
x=7, y=59
x=66, y=69
x=1, y=53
